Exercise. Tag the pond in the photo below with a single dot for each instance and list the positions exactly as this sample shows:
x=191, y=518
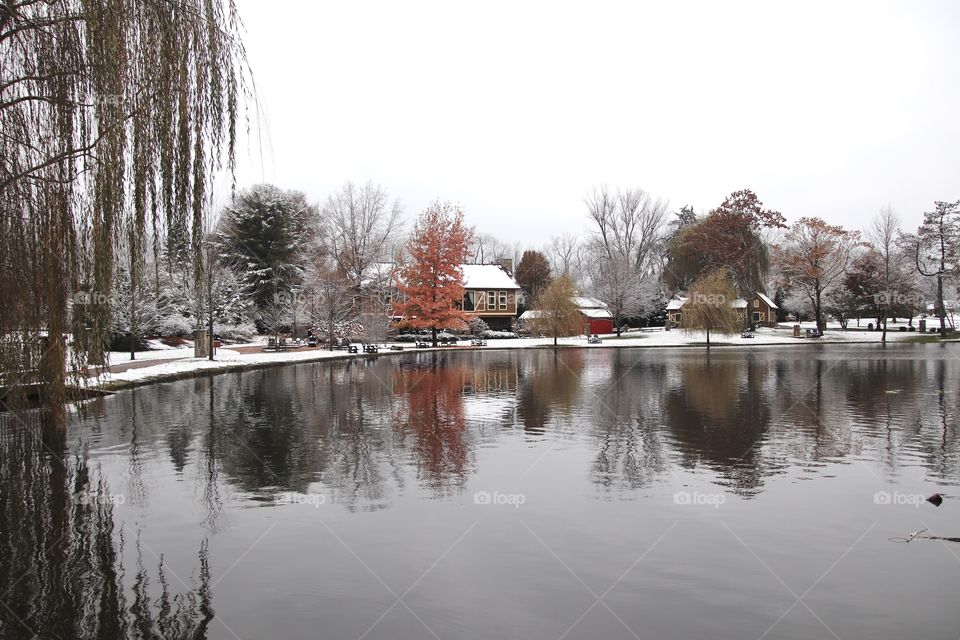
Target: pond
x=605, y=493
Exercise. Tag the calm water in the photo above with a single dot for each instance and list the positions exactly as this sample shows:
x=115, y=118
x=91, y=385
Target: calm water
x=576, y=494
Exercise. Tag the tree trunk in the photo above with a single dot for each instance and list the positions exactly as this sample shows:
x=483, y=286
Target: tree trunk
x=708, y=337
x=210, y=302
x=433, y=331
x=941, y=311
x=883, y=336
x=210, y=329
x=133, y=344
x=554, y=340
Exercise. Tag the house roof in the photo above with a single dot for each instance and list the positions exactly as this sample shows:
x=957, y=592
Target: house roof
x=767, y=300
x=529, y=315
x=588, y=303
x=487, y=276
x=738, y=303
x=676, y=303
x=596, y=313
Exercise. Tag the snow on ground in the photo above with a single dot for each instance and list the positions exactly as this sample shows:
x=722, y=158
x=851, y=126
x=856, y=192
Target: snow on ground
x=171, y=363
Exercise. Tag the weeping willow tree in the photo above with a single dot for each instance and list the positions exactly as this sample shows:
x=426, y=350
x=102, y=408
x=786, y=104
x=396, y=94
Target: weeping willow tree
x=114, y=118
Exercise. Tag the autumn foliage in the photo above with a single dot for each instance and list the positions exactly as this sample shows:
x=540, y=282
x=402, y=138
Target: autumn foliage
x=729, y=238
x=431, y=284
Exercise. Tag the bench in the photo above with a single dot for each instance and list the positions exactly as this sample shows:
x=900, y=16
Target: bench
x=422, y=345
x=814, y=333
x=594, y=340
x=477, y=342
x=371, y=348
x=353, y=348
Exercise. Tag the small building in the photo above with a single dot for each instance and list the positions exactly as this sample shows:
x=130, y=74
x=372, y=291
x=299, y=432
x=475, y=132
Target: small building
x=596, y=316
x=763, y=310
x=490, y=293
x=760, y=310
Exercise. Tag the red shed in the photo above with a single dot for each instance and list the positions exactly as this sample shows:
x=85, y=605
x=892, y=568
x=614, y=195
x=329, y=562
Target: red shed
x=596, y=316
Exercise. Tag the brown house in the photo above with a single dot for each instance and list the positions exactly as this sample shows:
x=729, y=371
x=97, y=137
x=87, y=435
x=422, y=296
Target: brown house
x=490, y=293
x=759, y=310
x=762, y=311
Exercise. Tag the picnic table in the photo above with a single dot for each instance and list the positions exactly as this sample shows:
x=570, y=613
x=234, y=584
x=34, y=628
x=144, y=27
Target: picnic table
x=371, y=348
x=422, y=345
x=353, y=348
x=477, y=342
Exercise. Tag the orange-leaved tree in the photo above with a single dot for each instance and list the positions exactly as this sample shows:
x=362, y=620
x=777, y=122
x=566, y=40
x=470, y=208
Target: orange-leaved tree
x=431, y=284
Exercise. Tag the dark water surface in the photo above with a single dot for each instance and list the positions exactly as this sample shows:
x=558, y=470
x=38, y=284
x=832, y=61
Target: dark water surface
x=631, y=493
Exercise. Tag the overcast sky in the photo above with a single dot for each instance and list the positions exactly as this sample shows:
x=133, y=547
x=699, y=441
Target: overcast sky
x=516, y=109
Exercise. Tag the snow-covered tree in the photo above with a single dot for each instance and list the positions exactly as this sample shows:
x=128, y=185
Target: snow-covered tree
x=263, y=235
x=134, y=310
x=358, y=225
x=626, y=291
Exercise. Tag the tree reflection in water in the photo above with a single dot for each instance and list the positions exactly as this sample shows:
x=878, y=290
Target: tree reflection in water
x=430, y=411
x=718, y=415
x=61, y=569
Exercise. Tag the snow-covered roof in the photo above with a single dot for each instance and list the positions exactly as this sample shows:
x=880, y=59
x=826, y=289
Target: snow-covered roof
x=487, y=276
x=588, y=303
x=529, y=315
x=676, y=303
x=738, y=303
x=767, y=300
x=596, y=313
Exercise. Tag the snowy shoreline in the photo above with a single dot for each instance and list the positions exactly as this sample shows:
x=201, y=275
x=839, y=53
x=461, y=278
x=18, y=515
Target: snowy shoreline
x=176, y=364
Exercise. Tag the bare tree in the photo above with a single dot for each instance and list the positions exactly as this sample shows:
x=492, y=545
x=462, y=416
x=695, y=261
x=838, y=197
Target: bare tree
x=565, y=255
x=358, y=227
x=883, y=234
x=626, y=249
x=488, y=248
x=623, y=288
x=628, y=223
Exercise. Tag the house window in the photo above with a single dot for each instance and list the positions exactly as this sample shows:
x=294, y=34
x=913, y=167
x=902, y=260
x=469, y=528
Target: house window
x=503, y=300
x=491, y=300
x=756, y=304
x=758, y=316
x=469, y=300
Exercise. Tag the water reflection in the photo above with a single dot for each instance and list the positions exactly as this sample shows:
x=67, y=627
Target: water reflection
x=370, y=435
x=62, y=566
x=430, y=415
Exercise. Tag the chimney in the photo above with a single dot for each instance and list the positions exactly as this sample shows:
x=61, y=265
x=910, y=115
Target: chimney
x=506, y=264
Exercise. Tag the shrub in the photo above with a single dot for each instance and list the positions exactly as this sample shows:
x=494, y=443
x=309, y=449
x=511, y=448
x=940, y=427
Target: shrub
x=236, y=332
x=175, y=325
x=494, y=335
x=478, y=326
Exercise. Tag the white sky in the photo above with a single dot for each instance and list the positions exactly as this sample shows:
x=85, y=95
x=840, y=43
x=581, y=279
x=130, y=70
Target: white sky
x=515, y=110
